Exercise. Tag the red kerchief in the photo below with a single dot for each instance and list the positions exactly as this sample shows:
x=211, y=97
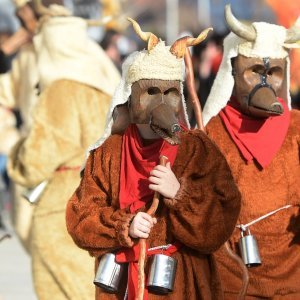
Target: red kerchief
x=137, y=161
x=260, y=139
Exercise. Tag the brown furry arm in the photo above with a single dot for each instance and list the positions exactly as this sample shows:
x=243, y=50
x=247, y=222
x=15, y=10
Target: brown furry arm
x=93, y=220
x=205, y=209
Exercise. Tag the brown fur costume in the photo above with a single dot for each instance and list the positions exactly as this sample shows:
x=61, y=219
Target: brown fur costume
x=201, y=216
x=264, y=190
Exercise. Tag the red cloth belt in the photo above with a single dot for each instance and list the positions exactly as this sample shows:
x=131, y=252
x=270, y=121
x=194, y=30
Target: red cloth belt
x=65, y=168
x=131, y=256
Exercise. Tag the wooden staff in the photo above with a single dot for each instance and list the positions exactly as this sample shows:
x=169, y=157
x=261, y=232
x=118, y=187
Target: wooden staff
x=162, y=161
x=190, y=82
x=142, y=257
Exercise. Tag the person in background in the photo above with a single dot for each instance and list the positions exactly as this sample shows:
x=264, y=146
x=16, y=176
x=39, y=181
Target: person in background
x=76, y=81
x=17, y=96
x=19, y=93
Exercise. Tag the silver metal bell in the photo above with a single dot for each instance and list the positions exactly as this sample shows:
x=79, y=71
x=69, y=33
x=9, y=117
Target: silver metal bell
x=249, y=250
x=33, y=195
x=109, y=273
x=162, y=272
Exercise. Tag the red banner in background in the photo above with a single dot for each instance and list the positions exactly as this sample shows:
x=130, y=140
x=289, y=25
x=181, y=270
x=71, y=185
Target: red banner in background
x=287, y=12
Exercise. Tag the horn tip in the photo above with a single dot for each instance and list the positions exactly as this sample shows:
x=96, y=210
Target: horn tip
x=227, y=11
x=228, y=6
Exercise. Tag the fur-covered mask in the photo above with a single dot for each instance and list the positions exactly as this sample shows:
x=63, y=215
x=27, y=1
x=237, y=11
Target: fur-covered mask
x=258, y=83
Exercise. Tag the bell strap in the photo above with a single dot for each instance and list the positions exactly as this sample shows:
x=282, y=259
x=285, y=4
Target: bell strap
x=165, y=249
x=244, y=227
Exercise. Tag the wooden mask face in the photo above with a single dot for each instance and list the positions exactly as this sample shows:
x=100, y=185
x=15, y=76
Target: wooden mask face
x=158, y=103
x=258, y=83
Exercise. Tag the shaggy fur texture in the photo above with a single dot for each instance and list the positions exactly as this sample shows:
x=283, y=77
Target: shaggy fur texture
x=201, y=216
x=68, y=118
x=278, y=236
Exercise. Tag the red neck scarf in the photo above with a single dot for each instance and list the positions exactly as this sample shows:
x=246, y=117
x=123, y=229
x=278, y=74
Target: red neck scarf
x=258, y=139
x=137, y=161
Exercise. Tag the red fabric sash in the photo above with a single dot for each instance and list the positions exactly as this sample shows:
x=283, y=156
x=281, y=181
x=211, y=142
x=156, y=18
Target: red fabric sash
x=136, y=163
x=131, y=255
x=65, y=168
x=260, y=139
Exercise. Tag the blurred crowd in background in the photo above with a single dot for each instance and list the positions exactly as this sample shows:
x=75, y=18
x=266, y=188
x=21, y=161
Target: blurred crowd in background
x=168, y=19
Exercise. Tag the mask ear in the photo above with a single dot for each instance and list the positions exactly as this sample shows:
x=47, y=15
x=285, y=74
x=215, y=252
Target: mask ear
x=121, y=119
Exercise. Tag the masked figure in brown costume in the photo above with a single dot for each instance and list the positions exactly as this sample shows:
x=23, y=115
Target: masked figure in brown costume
x=77, y=80
x=200, y=202
x=251, y=120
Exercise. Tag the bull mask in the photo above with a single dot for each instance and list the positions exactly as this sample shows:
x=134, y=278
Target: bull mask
x=157, y=102
x=258, y=81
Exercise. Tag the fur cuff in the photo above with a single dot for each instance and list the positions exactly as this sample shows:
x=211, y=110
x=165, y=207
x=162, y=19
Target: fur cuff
x=122, y=229
x=179, y=197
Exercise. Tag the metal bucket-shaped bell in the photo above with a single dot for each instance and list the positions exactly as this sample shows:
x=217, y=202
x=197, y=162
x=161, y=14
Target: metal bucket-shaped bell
x=34, y=194
x=162, y=272
x=249, y=250
x=109, y=273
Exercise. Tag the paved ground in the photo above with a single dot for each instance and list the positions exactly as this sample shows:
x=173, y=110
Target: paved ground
x=15, y=269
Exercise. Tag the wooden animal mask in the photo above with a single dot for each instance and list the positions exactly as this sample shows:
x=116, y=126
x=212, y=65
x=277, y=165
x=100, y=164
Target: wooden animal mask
x=261, y=78
x=258, y=83
x=156, y=87
x=158, y=103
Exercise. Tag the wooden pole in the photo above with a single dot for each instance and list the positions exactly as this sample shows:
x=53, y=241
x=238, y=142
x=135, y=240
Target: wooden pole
x=142, y=257
x=190, y=82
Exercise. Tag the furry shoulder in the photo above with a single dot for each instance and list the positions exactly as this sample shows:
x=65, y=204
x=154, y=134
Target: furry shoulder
x=195, y=144
x=295, y=122
x=111, y=144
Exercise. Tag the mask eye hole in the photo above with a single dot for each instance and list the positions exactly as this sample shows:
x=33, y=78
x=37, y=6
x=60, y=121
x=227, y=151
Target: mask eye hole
x=275, y=71
x=258, y=69
x=153, y=91
x=171, y=91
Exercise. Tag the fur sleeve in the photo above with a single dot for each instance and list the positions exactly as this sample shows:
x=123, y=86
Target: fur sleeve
x=93, y=217
x=205, y=209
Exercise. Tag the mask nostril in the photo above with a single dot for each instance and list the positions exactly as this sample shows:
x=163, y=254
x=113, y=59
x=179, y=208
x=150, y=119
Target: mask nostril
x=277, y=107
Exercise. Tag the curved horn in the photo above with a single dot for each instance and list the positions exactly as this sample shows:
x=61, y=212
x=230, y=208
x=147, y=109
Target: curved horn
x=242, y=30
x=179, y=47
x=145, y=36
x=293, y=33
